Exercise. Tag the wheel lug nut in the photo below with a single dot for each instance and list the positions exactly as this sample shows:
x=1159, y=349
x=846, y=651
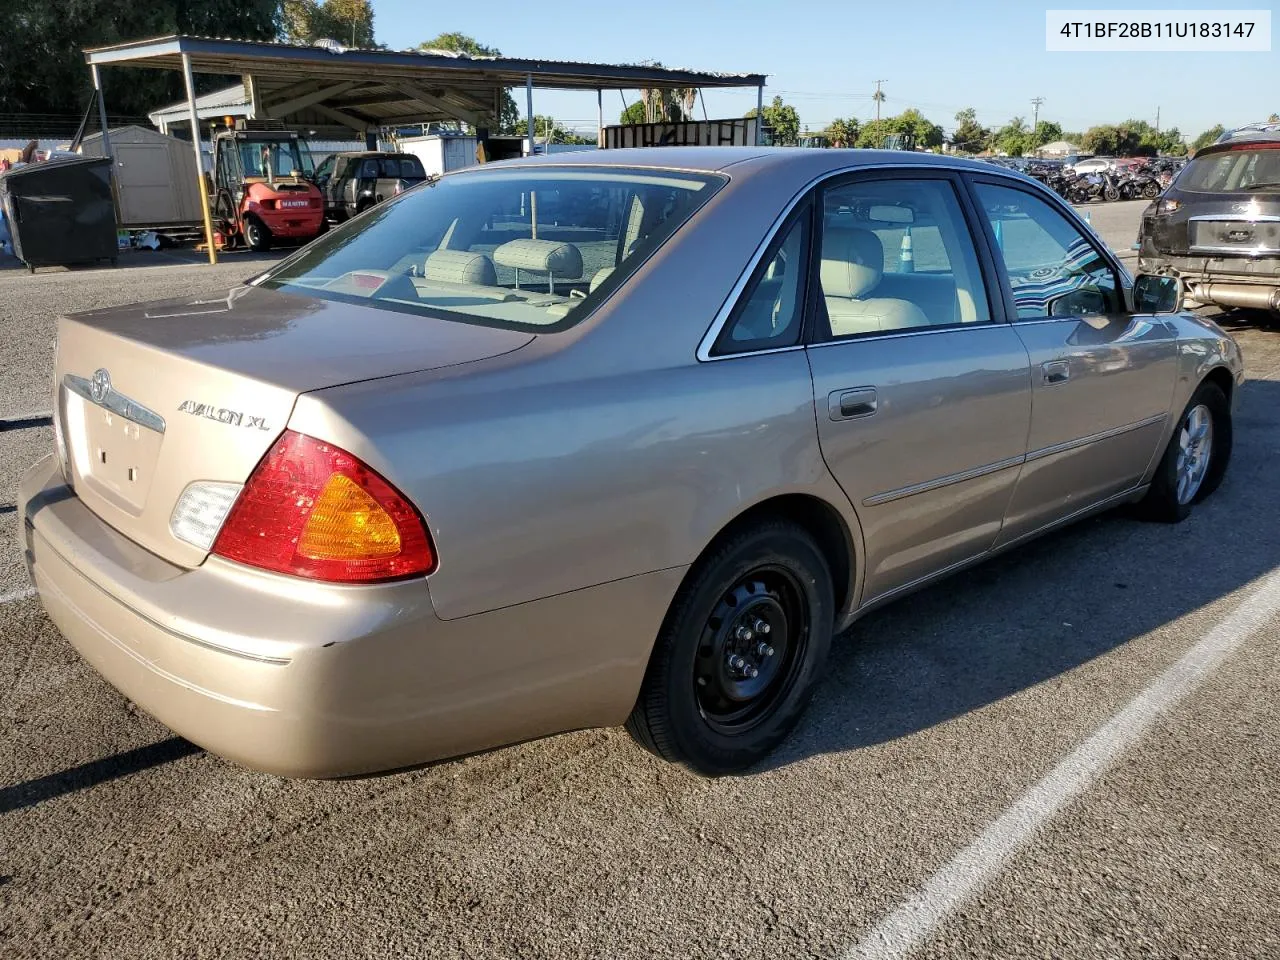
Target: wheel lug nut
x=764, y=650
x=744, y=634
x=762, y=626
x=736, y=663
x=752, y=672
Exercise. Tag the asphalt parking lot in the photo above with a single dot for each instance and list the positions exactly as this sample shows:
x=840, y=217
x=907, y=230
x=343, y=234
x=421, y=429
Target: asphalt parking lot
x=1071, y=751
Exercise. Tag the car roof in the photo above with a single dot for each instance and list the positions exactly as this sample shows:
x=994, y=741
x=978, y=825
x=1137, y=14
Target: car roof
x=716, y=159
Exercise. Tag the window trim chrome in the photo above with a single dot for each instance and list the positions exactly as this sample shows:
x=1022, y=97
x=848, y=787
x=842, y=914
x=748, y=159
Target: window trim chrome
x=708, y=340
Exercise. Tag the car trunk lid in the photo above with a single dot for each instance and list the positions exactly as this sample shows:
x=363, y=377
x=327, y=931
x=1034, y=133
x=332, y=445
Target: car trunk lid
x=153, y=397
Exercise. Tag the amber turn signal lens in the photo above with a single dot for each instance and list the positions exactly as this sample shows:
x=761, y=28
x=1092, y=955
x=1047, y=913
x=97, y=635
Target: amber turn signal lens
x=347, y=524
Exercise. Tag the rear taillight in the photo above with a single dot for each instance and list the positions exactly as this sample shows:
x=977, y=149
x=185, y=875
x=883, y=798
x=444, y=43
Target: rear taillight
x=311, y=509
x=1165, y=206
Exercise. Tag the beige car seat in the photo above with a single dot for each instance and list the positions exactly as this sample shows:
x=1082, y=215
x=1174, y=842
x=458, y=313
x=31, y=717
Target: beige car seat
x=852, y=264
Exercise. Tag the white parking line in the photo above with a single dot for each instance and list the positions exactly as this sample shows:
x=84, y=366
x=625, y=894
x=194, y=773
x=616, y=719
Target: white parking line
x=911, y=924
x=13, y=596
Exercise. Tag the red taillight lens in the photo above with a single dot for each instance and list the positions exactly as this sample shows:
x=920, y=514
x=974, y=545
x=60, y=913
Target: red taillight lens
x=311, y=509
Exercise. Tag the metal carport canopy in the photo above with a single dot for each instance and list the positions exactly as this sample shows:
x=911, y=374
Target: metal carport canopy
x=364, y=89
x=368, y=88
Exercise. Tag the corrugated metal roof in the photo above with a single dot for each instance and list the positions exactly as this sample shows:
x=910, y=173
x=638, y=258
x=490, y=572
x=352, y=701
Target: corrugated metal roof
x=228, y=56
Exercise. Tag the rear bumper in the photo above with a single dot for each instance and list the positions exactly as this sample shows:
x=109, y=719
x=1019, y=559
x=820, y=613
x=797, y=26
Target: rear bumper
x=310, y=680
x=301, y=223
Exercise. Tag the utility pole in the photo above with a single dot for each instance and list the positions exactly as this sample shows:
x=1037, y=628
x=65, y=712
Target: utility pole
x=1157, y=119
x=1035, y=116
x=878, y=97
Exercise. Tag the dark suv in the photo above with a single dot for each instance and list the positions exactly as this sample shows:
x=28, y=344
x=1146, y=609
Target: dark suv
x=1217, y=226
x=353, y=182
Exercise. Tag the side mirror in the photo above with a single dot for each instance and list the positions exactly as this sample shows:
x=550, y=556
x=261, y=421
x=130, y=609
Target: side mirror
x=1156, y=294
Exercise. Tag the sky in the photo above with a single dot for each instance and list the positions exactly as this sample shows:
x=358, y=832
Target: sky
x=824, y=56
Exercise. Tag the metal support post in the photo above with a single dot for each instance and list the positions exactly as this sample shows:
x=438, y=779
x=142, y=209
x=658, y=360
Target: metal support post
x=528, y=95
x=195, y=145
x=102, y=110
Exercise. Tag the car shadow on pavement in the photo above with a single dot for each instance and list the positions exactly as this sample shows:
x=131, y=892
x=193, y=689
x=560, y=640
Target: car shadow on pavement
x=31, y=792
x=1044, y=609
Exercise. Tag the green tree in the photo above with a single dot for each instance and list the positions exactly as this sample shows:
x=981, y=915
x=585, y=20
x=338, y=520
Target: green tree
x=350, y=22
x=1013, y=138
x=1209, y=136
x=970, y=136
x=924, y=132
x=635, y=113
x=842, y=133
x=783, y=119
x=1046, y=131
x=42, y=68
x=461, y=43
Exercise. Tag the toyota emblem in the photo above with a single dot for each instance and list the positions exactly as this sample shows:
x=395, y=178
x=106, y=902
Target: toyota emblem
x=100, y=385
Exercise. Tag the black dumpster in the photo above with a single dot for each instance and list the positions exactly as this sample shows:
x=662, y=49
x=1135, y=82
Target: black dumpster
x=61, y=211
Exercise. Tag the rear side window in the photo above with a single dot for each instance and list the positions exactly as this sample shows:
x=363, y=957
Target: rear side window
x=1234, y=170
x=530, y=249
x=770, y=311
x=897, y=254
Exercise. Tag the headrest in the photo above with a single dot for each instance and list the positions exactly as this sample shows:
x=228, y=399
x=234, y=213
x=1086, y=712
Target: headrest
x=852, y=261
x=459, y=266
x=542, y=256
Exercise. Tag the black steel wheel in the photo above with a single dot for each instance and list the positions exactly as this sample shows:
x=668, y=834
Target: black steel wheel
x=739, y=653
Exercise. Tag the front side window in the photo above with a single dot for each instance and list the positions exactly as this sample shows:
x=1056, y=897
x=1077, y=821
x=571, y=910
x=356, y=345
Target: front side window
x=1054, y=270
x=534, y=250
x=898, y=255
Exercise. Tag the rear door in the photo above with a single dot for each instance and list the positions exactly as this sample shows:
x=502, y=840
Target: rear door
x=1102, y=377
x=922, y=389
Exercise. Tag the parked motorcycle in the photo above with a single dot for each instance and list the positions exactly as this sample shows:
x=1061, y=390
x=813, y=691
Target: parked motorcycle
x=1138, y=184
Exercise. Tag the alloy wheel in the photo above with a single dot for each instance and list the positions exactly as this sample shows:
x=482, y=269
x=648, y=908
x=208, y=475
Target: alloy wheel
x=1195, y=447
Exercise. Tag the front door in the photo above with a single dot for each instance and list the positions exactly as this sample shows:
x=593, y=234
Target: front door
x=1101, y=376
x=922, y=390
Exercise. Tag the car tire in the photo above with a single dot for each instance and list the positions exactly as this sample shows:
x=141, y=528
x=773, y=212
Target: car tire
x=1184, y=479
x=739, y=653
x=256, y=235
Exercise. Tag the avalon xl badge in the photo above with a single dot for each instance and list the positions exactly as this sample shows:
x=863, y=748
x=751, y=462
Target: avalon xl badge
x=232, y=418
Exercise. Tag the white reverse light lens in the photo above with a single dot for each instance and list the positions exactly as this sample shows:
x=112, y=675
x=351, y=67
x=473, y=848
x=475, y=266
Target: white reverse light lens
x=198, y=515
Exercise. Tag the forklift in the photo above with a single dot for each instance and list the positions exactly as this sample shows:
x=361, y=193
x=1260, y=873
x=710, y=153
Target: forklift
x=261, y=187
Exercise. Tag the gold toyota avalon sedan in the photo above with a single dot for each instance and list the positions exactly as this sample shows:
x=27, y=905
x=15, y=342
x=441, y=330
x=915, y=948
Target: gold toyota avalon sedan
x=620, y=437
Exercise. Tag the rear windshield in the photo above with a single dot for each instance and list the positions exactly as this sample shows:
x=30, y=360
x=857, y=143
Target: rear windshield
x=533, y=249
x=1236, y=170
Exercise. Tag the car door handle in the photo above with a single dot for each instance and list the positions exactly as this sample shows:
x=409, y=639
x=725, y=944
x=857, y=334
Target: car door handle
x=851, y=404
x=1056, y=371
